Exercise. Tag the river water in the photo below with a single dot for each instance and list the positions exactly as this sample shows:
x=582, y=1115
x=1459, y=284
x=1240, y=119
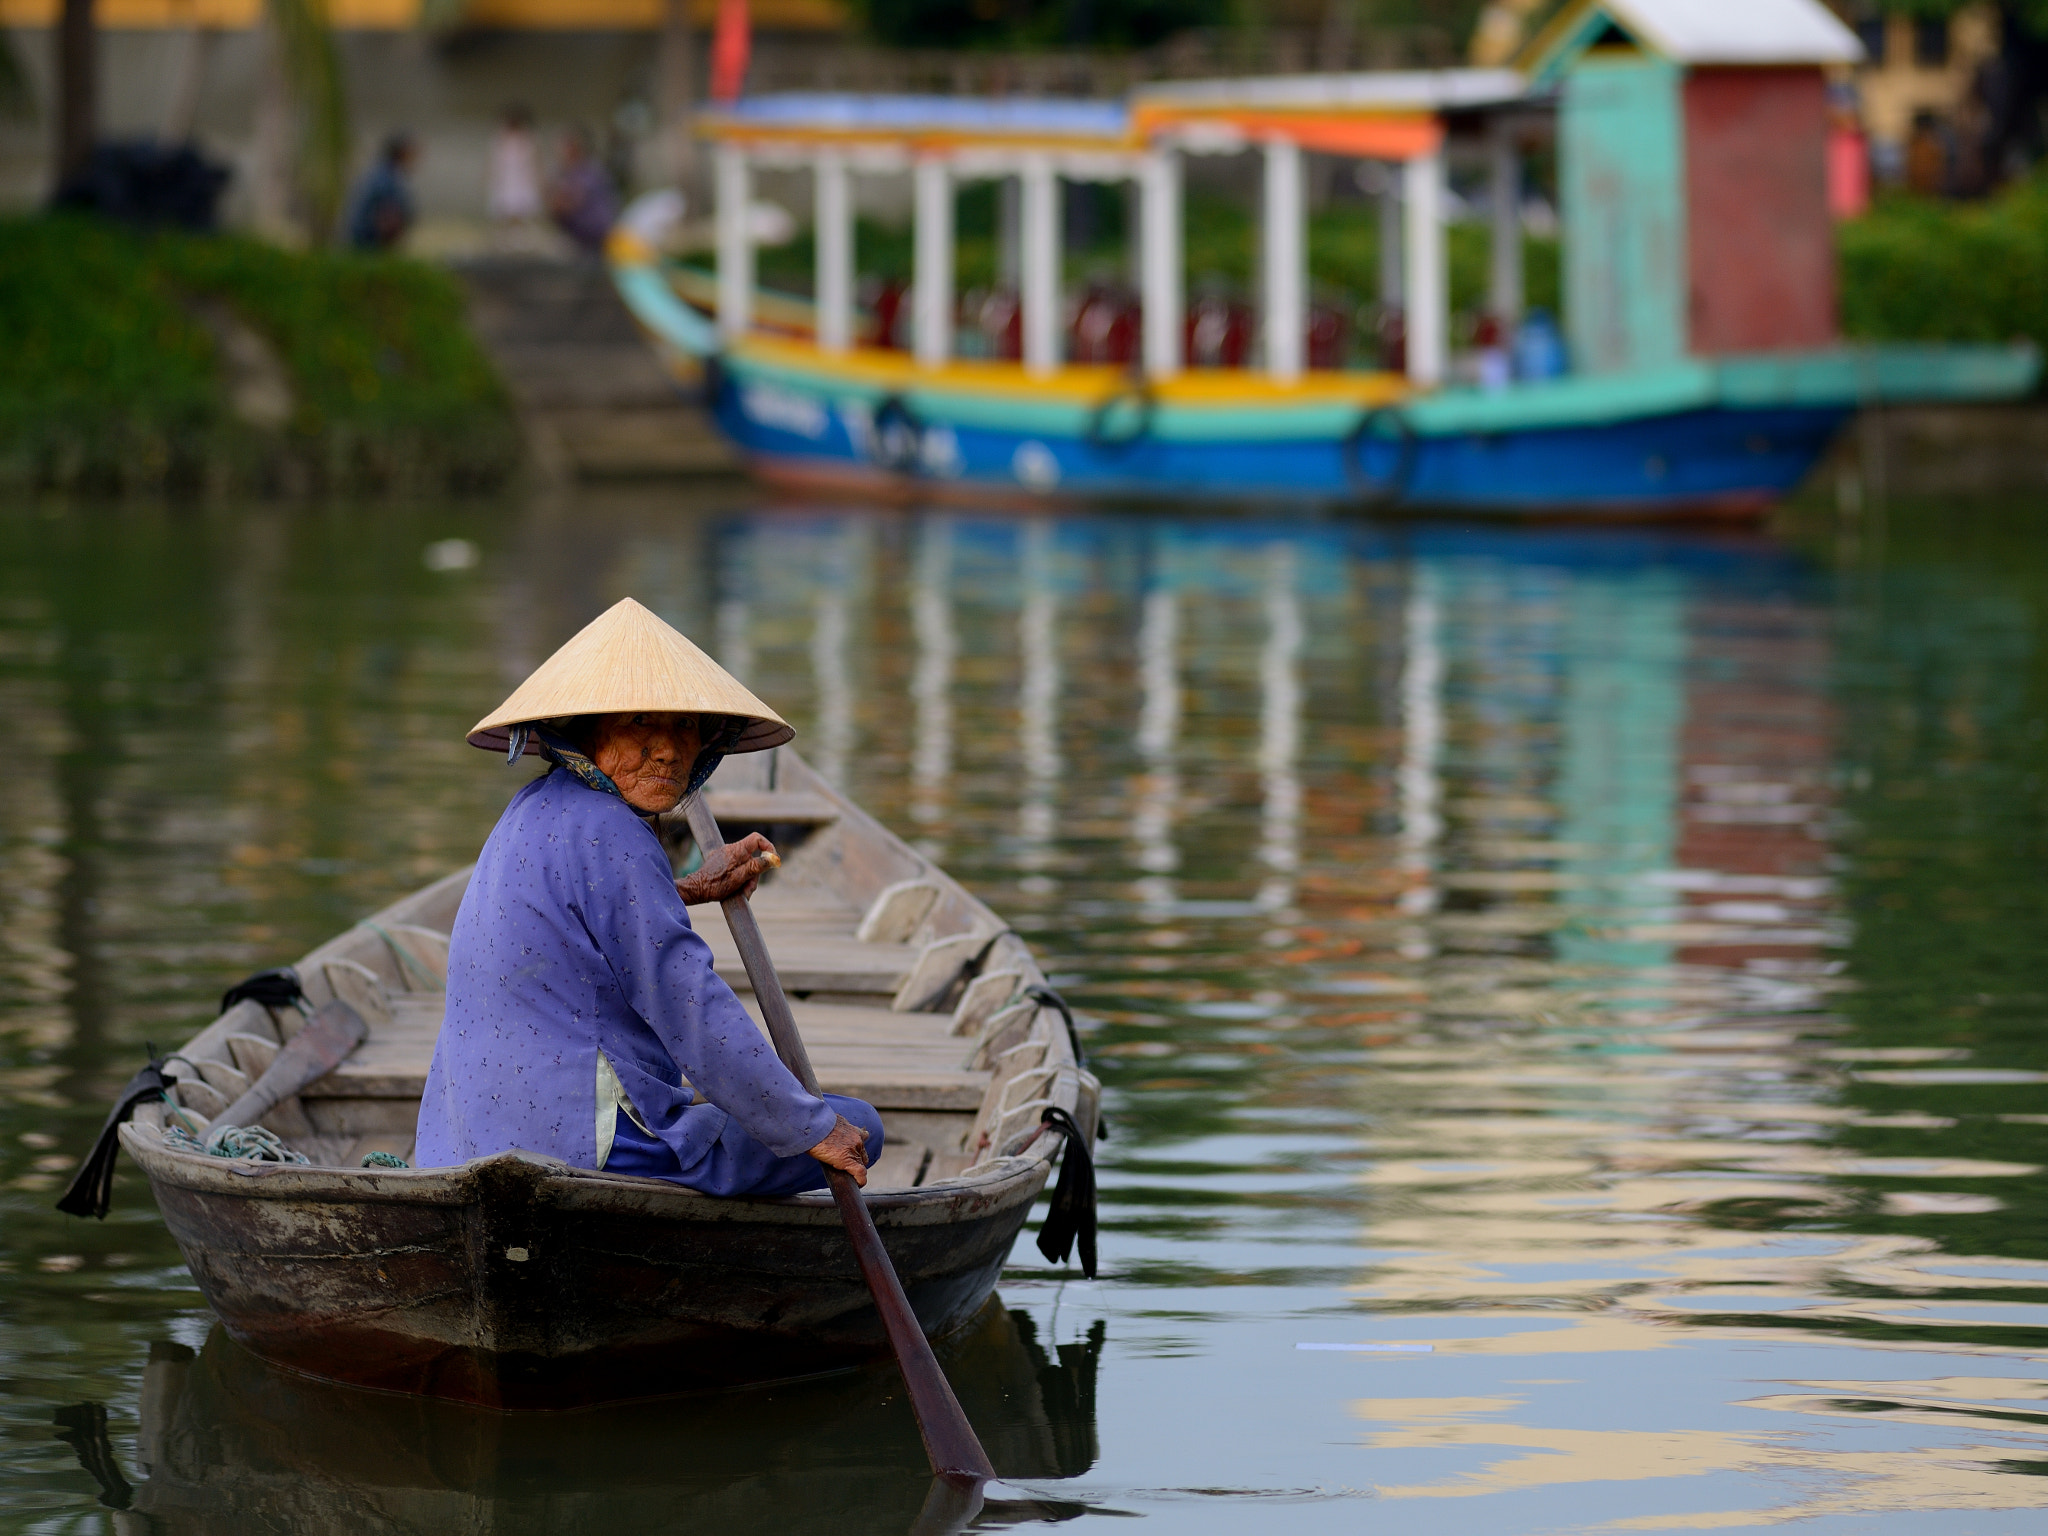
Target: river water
x=1607, y=962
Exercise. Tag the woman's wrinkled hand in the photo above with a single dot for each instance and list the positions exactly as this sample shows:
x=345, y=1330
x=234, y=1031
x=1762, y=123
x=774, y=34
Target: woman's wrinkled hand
x=845, y=1148
x=746, y=861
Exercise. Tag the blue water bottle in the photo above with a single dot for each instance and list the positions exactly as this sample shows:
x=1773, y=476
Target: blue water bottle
x=1539, y=348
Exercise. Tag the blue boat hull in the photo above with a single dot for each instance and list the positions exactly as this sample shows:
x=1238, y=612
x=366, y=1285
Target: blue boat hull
x=1720, y=457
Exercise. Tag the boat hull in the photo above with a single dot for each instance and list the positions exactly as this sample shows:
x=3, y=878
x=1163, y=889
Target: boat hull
x=1715, y=458
x=518, y=1282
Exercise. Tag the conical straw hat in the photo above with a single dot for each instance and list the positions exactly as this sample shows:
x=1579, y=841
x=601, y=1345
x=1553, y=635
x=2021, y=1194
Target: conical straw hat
x=623, y=660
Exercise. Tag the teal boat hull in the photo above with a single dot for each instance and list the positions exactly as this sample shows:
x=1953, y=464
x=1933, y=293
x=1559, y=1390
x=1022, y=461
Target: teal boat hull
x=1733, y=435
x=1721, y=458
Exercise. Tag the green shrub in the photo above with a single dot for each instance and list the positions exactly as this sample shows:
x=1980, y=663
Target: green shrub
x=109, y=374
x=1915, y=270
x=102, y=370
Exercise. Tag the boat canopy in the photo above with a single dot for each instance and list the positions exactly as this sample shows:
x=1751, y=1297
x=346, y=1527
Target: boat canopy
x=1398, y=117
x=1384, y=115
x=937, y=122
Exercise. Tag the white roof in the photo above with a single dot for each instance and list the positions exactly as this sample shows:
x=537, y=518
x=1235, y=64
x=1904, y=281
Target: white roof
x=1738, y=31
x=1432, y=89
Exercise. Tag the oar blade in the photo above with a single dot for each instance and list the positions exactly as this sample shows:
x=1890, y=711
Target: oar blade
x=334, y=1031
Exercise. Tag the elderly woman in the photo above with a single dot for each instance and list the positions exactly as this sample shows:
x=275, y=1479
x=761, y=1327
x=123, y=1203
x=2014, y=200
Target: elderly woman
x=584, y=1018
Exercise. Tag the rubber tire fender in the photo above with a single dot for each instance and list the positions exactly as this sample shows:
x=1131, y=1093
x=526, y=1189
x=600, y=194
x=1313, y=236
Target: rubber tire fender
x=894, y=412
x=1381, y=493
x=1098, y=419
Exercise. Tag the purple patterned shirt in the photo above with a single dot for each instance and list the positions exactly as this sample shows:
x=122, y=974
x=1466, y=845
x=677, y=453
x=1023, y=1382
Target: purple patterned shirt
x=571, y=939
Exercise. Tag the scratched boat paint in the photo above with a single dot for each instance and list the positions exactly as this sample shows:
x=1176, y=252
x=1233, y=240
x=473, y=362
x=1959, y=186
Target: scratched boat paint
x=1609, y=959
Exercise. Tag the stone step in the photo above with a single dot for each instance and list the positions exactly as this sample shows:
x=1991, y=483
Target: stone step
x=596, y=403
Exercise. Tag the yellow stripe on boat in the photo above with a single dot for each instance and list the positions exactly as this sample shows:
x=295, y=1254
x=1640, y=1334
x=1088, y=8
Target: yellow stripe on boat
x=893, y=372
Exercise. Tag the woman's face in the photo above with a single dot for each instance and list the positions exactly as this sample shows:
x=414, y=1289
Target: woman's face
x=648, y=756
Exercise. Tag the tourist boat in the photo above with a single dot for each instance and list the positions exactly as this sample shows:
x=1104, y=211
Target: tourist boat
x=1706, y=370
x=517, y=1281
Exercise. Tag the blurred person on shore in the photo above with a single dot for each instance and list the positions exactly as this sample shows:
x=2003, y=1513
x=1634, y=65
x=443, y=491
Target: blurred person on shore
x=582, y=199
x=515, y=193
x=1927, y=157
x=381, y=211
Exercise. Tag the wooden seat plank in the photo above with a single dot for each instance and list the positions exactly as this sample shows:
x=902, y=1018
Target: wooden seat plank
x=899, y=1165
x=960, y=1092
x=830, y=1060
x=417, y=1021
x=799, y=904
x=769, y=807
x=892, y=1060
x=810, y=959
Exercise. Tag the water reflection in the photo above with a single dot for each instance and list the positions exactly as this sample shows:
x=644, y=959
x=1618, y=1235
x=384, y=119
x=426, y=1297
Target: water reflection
x=1159, y=714
x=931, y=686
x=1422, y=745
x=225, y=1442
x=1609, y=957
x=1038, y=702
x=1280, y=734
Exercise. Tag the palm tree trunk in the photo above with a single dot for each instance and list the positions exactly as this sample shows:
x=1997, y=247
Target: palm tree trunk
x=276, y=146
x=77, y=88
x=676, y=77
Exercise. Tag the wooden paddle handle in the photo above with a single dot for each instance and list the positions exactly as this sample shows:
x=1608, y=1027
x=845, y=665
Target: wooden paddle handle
x=949, y=1440
x=746, y=936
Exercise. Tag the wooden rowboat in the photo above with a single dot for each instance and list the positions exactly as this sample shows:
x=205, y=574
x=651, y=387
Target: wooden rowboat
x=518, y=1281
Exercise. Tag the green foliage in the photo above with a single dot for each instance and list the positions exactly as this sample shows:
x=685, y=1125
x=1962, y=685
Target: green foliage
x=100, y=366
x=110, y=374
x=1117, y=24
x=1916, y=270
x=374, y=343
x=1344, y=253
x=1008, y=24
x=2031, y=14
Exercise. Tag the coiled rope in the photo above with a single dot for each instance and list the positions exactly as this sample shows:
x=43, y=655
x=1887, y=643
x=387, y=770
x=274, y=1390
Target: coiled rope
x=248, y=1143
x=255, y=1144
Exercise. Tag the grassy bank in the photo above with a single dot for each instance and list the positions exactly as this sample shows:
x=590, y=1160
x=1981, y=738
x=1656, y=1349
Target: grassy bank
x=1916, y=270
x=142, y=361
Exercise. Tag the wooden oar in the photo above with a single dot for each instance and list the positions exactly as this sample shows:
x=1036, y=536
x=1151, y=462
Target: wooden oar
x=949, y=1440
x=330, y=1035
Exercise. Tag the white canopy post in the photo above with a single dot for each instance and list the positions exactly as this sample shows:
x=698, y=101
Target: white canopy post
x=1392, y=290
x=932, y=300
x=1161, y=262
x=832, y=233
x=1285, y=254
x=735, y=243
x=1428, y=269
x=1504, y=278
x=1041, y=295
x=1009, y=232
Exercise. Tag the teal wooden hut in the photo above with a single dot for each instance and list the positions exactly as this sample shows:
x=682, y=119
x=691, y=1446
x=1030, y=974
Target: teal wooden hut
x=1692, y=166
